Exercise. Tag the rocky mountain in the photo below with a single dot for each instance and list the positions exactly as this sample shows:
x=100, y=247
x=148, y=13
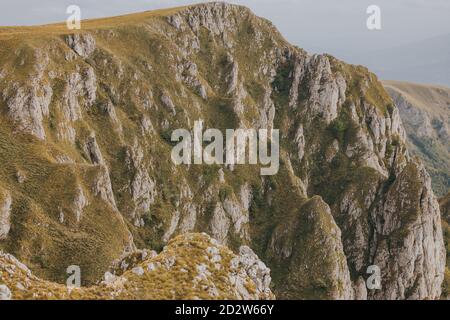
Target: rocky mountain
x=425, y=112
x=191, y=266
x=87, y=177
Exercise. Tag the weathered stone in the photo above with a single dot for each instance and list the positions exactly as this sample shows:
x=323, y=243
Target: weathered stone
x=167, y=101
x=5, y=213
x=142, y=187
x=29, y=106
x=79, y=203
x=102, y=186
x=311, y=246
x=82, y=43
x=5, y=293
x=417, y=261
x=92, y=150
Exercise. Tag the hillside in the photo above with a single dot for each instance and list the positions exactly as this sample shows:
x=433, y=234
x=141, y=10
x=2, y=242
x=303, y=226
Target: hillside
x=87, y=176
x=191, y=267
x=425, y=112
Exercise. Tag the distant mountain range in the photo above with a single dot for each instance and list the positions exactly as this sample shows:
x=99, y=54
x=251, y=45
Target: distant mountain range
x=425, y=112
x=426, y=61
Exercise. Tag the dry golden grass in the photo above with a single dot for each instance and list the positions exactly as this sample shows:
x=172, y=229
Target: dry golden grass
x=176, y=281
x=89, y=24
x=433, y=147
x=431, y=98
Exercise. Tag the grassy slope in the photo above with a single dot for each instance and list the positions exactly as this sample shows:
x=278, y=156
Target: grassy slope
x=87, y=25
x=435, y=152
x=173, y=277
x=433, y=99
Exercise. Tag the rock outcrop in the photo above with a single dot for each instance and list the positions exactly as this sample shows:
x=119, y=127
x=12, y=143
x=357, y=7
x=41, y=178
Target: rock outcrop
x=5, y=293
x=5, y=213
x=83, y=44
x=192, y=266
x=415, y=262
x=88, y=118
x=445, y=210
x=310, y=247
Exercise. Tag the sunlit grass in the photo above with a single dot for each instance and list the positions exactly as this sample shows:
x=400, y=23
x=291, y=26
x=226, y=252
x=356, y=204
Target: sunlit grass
x=87, y=25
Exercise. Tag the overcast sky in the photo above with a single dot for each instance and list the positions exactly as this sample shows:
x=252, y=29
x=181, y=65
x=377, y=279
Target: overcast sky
x=333, y=26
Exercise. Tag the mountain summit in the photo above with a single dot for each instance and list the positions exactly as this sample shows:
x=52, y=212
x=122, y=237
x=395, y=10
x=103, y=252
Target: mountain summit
x=87, y=177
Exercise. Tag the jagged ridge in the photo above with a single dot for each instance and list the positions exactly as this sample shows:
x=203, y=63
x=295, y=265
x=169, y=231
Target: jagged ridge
x=91, y=114
x=191, y=266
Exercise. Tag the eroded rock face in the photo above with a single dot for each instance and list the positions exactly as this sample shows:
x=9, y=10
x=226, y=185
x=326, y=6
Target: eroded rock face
x=231, y=217
x=414, y=260
x=184, y=218
x=102, y=186
x=326, y=90
x=79, y=85
x=218, y=18
x=83, y=44
x=247, y=264
x=168, y=103
x=79, y=203
x=220, y=224
x=300, y=141
x=310, y=247
x=267, y=113
x=28, y=103
x=360, y=289
x=5, y=293
x=28, y=100
x=92, y=150
x=142, y=188
x=5, y=213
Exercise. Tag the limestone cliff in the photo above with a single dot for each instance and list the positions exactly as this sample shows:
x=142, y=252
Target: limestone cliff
x=87, y=176
x=445, y=209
